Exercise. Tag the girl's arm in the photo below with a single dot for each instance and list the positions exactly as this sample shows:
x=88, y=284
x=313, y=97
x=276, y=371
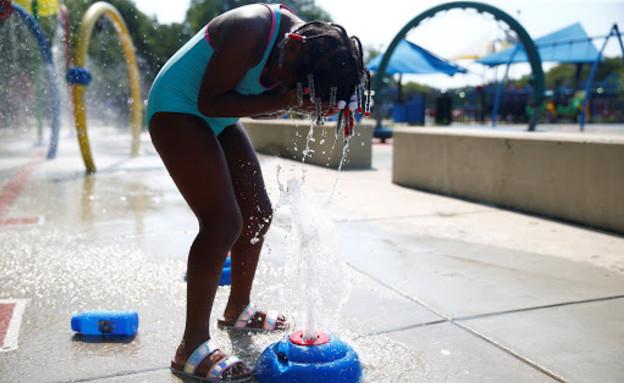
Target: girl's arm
x=237, y=49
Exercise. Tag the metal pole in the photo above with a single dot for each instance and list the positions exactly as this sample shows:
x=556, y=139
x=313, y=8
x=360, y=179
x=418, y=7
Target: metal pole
x=38, y=85
x=614, y=32
x=500, y=86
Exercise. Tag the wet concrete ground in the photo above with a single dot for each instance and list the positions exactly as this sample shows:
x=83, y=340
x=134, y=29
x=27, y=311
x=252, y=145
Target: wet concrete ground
x=441, y=290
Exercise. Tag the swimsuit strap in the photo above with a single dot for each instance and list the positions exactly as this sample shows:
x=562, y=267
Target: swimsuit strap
x=275, y=27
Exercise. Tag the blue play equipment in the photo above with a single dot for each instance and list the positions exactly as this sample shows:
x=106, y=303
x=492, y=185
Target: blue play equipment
x=297, y=360
x=614, y=32
x=226, y=273
x=537, y=81
x=78, y=75
x=409, y=58
x=567, y=45
x=46, y=52
x=413, y=112
x=102, y=322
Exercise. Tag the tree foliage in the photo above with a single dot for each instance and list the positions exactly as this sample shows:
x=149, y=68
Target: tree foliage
x=155, y=42
x=200, y=12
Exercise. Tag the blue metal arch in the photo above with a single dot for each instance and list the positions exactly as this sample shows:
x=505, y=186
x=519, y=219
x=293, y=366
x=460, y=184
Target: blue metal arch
x=46, y=52
x=537, y=79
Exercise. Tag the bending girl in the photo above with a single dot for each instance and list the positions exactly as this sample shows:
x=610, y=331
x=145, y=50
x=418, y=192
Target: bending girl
x=250, y=61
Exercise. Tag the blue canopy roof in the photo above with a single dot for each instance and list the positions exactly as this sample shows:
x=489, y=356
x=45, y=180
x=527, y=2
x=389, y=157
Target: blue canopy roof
x=568, y=45
x=410, y=58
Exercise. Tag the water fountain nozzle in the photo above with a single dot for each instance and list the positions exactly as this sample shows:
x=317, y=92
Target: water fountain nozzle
x=295, y=359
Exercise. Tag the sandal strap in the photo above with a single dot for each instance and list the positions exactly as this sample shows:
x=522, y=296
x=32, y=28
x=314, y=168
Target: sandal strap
x=201, y=353
x=245, y=316
x=219, y=368
x=270, y=320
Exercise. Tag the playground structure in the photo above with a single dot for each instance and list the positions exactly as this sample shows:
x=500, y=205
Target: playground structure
x=532, y=53
x=6, y=10
x=79, y=76
x=529, y=103
x=614, y=32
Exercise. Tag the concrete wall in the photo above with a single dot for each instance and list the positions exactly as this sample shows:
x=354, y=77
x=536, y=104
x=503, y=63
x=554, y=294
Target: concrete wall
x=287, y=138
x=574, y=177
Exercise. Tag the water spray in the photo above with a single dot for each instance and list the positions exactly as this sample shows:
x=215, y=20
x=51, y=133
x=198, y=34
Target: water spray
x=308, y=355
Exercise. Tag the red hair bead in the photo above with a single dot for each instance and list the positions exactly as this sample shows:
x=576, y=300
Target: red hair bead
x=295, y=36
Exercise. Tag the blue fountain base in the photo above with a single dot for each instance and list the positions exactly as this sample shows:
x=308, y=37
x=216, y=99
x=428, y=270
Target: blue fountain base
x=287, y=362
x=226, y=273
x=226, y=277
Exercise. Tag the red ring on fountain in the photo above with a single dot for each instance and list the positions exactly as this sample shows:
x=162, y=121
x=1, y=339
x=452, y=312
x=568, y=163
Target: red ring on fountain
x=297, y=338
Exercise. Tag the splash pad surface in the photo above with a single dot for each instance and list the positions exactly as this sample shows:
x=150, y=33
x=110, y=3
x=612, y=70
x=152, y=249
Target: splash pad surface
x=451, y=287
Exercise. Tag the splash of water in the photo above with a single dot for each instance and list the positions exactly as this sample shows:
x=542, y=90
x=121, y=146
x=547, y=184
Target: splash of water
x=313, y=265
x=59, y=52
x=307, y=151
x=345, y=149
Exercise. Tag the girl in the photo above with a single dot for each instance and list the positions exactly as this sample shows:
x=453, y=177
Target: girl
x=250, y=61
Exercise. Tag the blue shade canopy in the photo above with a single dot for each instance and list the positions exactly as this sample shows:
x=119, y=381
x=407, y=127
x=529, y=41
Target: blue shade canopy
x=411, y=59
x=568, y=45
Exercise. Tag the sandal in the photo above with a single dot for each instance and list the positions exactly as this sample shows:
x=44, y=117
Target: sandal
x=215, y=373
x=245, y=319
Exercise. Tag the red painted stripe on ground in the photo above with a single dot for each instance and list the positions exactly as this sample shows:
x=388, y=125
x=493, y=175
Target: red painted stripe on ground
x=11, y=313
x=6, y=313
x=20, y=221
x=13, y=189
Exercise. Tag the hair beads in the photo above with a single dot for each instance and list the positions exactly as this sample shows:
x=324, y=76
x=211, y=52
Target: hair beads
x=369, y=94
x=331, y=65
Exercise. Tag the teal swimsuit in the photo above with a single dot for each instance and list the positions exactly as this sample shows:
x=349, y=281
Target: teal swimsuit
x=176, y=88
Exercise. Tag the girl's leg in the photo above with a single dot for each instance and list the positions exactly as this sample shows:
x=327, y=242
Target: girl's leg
x=256, y=210
x=197, y=165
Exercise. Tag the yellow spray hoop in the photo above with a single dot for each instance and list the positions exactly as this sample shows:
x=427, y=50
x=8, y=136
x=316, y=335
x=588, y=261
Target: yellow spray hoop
x=89, y=19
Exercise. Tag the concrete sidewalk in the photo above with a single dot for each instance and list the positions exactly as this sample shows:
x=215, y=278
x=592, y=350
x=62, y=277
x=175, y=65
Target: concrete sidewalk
x=442, y=290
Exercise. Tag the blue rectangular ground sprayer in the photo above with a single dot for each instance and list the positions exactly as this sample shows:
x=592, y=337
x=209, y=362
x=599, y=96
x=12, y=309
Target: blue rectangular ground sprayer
x=102, y=322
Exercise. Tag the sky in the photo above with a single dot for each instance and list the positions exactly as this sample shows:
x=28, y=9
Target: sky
x=452, y=33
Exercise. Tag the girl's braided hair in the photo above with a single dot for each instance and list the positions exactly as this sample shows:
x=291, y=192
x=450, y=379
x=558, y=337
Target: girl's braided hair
x=331, y=64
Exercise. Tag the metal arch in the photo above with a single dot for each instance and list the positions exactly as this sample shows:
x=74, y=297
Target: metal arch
x=46, y=52
x=537, y=79
x=91, y=16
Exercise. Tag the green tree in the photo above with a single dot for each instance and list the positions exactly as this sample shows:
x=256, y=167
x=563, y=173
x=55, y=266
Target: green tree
x=200, y=12
x=370, y=52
